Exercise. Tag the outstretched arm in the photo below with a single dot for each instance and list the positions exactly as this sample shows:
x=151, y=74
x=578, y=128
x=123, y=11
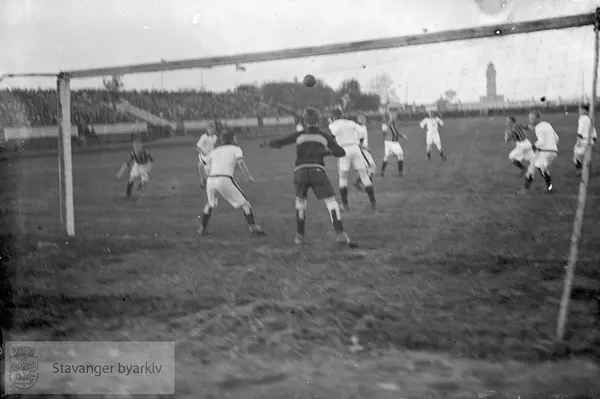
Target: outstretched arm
x=122, y=170
x=334, y=147
x=281, y=142
x=124, y=167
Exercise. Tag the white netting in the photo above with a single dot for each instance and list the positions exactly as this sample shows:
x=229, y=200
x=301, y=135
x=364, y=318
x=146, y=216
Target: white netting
x=555, y=65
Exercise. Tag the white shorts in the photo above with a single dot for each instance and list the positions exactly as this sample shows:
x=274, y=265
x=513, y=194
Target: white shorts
x=354, y=159
x=392, y=148
x=141, y=172
x=543, y=159
x=523, y=151
x=579, y=150
x=369, y=161
x=433, y=138
x=228, y=189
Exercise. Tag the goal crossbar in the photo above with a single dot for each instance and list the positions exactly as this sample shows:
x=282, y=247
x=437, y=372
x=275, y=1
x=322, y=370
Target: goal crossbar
x=508, y=29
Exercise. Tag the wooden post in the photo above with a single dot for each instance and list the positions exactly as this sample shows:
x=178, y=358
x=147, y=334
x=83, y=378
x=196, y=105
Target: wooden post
x=509, y=29
x=65, y=167
x=581, y=199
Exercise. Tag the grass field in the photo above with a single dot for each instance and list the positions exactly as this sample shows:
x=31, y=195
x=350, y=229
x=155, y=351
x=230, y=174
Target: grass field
x=456, y=292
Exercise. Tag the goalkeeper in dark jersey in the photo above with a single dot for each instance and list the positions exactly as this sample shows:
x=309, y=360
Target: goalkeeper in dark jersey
x=312, y=145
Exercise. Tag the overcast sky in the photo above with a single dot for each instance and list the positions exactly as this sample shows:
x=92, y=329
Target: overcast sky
x=53, y=35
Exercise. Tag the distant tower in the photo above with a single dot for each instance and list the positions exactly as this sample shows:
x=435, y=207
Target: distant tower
x=491, y=95
x=491, y=82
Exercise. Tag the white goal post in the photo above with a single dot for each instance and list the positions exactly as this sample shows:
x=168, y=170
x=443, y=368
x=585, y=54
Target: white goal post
x=502, y=30
x=581, y=198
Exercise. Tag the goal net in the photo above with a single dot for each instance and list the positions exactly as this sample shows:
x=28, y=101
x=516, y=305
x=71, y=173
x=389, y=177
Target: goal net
x=550, y=69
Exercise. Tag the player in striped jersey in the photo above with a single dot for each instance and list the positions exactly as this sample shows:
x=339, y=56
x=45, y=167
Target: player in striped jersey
x=391, y=145
x=523, y=151
x=141, y=163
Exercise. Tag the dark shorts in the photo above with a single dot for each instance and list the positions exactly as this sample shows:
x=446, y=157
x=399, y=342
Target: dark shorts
x=315, y=179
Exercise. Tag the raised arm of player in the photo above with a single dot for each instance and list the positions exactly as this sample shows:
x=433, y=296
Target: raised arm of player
x=281, y=142
x=439, y=121
x=525, y=127
x=423, y=123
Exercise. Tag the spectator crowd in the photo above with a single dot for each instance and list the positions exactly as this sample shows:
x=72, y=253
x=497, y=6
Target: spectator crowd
x=22, y=107
x=25, y=107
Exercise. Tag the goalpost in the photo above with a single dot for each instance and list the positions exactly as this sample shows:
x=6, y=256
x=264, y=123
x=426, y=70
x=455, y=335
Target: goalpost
x=412, y=82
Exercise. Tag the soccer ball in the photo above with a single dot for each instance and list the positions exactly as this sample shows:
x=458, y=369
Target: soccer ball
x=495, y=8
x=309, y=81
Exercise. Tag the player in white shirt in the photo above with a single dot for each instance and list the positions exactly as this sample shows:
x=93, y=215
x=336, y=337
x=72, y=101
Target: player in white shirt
x=545, y=148
x=204, y=146
x=223, y=161
x=369, y=161
x=584, y=125
x=350, y=136
x=432, y=123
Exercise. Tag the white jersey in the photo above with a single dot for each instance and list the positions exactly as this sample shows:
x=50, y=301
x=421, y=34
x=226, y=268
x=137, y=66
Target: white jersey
x=432, y=124
x=583, y=128
x=206, y=144
x=547, y=139
x=224, y=159
x=347, y=132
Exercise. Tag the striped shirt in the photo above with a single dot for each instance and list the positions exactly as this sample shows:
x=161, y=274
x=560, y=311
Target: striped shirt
x=390, y=132
x=312, y=145
x=141, y=158
x=516, y=133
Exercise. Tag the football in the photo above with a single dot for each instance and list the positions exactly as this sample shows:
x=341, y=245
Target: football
x=309, y=81
x=495, y=8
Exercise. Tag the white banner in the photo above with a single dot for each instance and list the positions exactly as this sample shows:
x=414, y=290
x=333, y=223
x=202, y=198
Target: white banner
x=37, y=132
x=90, y=367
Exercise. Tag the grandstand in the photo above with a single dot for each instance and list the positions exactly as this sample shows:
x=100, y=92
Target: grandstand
x=186, y=112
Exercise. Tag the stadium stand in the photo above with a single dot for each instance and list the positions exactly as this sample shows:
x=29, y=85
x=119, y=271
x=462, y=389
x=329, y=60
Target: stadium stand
x=89, y=107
